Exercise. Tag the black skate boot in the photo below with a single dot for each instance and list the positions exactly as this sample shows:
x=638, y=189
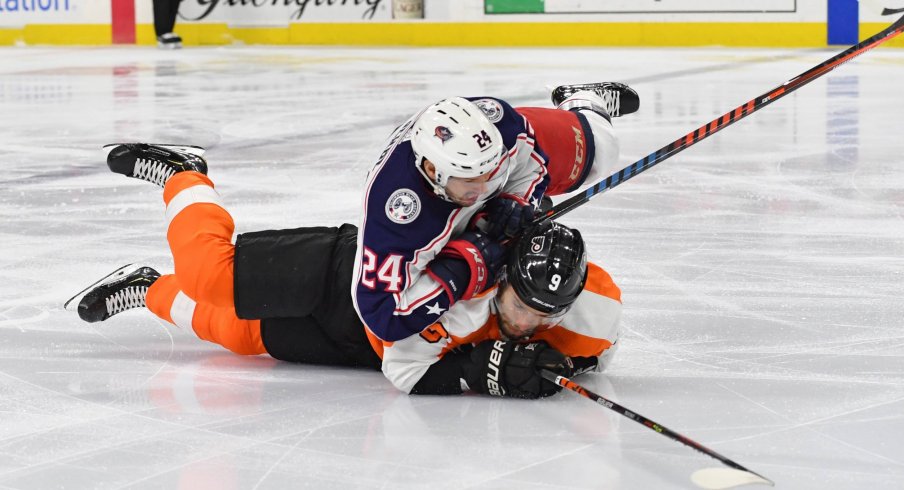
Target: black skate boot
x=619, y=98
x=121, y=290
x=154, y=163
x=169, y=40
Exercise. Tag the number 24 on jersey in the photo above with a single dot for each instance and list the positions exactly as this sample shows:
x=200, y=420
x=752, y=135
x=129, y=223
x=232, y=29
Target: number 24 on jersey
x=389, y=273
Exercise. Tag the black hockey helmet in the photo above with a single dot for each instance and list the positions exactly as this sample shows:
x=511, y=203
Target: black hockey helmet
x=548, y=267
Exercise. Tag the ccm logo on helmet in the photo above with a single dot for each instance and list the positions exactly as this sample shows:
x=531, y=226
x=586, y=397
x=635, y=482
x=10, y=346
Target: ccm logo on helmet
x=493, y=369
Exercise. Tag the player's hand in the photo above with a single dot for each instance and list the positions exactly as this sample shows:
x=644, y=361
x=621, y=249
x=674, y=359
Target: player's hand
x=467, y=265
x=507, y=216
x=511, y=369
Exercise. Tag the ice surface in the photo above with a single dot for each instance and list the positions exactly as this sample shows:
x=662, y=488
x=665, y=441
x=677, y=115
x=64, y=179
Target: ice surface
x=761, y=271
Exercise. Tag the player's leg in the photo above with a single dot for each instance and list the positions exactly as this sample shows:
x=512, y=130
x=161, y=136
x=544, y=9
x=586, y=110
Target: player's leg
x=200, y=238
x=200, y=229
x=605, y=142
x=165, y=12
x=616, y=98
x=210, y=323
x=134, y=286
x=121, y=290
x=153, y=162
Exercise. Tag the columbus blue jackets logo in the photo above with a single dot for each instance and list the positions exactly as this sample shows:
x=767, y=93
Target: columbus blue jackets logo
x=403, y=206
x=536, y=244
x=443, y=133
x=491, y=109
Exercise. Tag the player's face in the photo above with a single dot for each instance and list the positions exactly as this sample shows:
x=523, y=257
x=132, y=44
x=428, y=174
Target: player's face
x=469, y=191
x=518, y=320
x=466, y=192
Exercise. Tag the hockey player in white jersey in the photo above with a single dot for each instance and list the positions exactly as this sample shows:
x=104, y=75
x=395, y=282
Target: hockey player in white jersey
x=551, y=308
x=418, y=253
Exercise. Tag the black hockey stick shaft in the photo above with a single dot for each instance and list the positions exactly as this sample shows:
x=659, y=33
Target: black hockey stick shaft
x=722, y=122
x=640, y=419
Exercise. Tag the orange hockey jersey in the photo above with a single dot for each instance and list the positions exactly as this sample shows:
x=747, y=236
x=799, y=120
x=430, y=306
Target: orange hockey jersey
x=589, y=329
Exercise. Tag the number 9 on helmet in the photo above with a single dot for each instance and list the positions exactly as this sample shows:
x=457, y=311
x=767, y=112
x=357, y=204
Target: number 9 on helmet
x=548, y=267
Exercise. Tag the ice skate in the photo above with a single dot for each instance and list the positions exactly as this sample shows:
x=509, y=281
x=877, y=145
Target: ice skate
x=121, y=290
x=154, y=163
x=169, y=40
x=619, y=98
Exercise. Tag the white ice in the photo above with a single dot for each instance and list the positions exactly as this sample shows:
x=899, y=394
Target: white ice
x=761, y=273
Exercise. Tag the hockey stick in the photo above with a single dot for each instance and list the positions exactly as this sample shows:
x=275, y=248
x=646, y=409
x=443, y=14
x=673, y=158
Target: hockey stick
x=710, y=478
x=722, y=122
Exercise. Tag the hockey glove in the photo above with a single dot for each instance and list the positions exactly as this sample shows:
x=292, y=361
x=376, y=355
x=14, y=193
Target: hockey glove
x=467, y=265
x=511, y=369
x=507, y=216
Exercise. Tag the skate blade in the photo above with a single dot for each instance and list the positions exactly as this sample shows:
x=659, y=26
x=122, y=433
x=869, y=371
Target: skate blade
x=72, y=303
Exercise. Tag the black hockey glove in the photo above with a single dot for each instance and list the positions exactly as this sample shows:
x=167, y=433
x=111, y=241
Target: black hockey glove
x=467, y=265
x=507, y=216
x=510, y=369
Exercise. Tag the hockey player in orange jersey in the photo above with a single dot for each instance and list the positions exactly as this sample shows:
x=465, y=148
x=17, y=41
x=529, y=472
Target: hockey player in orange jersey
x=287, y=293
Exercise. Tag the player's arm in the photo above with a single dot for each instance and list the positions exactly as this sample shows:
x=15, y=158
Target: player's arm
x=394, y=296
x=511, y=211
x=496, y=368
x=399, y=293
x=409, y=268
x=441, y=360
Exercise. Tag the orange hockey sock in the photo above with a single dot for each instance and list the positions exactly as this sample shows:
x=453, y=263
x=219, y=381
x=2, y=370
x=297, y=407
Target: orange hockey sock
x=213, y=324
x=200, y=237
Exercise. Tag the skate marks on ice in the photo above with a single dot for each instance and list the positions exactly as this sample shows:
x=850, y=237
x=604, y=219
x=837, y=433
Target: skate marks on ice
x=759, y=271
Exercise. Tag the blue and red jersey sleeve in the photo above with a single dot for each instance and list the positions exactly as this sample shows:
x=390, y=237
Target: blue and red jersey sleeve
x=403, y=228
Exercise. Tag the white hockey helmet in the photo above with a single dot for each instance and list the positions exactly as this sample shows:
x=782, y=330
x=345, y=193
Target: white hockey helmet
x=458, y=139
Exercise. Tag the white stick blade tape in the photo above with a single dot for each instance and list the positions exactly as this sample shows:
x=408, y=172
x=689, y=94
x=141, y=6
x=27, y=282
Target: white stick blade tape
x=718, y=478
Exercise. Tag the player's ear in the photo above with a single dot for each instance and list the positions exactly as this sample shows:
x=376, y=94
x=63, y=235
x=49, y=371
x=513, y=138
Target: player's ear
x=429, y=169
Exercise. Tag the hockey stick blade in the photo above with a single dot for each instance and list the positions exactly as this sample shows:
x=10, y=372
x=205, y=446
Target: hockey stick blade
x=720, y=478
x=710, y=476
